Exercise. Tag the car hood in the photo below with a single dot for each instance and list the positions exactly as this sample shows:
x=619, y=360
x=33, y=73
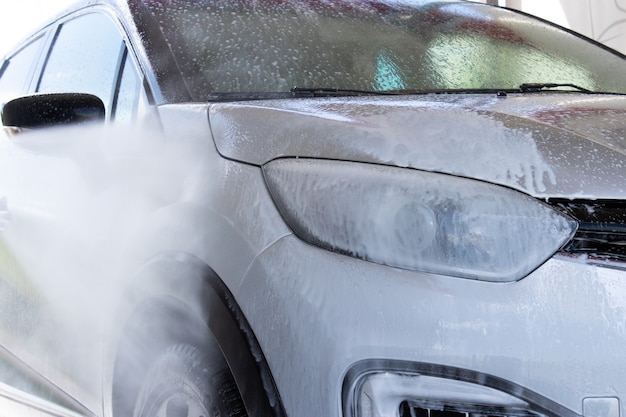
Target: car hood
x=557, y=145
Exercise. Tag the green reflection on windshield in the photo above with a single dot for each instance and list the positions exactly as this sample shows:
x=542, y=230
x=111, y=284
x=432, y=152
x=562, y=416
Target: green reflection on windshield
x=474, y=61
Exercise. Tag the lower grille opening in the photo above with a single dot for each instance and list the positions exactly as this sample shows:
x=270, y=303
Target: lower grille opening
x=413, y=408
x=406, y=391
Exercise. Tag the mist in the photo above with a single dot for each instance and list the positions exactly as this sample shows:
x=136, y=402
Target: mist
x=79, y=215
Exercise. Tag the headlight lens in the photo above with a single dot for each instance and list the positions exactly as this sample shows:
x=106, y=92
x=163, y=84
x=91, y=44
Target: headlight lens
x=417, y=220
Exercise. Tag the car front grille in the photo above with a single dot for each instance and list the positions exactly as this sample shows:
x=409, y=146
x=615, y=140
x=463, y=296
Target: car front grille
x=426, y=409
x=601, y=235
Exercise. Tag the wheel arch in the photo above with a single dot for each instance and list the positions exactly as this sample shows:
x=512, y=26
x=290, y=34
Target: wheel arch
x=178, y=297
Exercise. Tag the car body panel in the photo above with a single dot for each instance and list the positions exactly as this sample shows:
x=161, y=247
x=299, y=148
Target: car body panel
x=15, y=403
x=526, y=142
x=562, y=316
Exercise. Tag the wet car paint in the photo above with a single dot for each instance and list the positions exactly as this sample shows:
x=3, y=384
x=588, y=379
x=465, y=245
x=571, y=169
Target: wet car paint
x=198, y=195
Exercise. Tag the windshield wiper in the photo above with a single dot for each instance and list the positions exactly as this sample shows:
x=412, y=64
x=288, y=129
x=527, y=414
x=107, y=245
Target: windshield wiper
x=218, y=96
x=537, y=87
x=334, y=92
x=297, y=92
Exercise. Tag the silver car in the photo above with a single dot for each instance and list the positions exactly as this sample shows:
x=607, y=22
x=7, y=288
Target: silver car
x=311, y=208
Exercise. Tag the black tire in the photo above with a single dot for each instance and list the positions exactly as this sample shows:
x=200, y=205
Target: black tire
x=187, y=382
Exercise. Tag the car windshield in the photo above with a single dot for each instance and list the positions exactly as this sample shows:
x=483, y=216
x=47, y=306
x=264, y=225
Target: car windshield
x=242, y=47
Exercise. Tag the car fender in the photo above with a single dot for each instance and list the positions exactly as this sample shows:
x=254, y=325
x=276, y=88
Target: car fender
x=181, y=287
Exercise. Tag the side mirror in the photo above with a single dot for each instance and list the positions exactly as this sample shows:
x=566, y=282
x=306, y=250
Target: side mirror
x=44, y=110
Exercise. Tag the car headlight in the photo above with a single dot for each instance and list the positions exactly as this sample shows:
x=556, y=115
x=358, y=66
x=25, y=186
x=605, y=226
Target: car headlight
x=417, y=220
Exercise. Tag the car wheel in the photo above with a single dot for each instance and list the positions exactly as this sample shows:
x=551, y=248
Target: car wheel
x=187, y=382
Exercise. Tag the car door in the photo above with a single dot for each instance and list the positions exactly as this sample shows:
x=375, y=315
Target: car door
x=49, y=339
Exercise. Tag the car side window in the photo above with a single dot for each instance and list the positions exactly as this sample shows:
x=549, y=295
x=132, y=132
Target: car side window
x=126, y=100
x=17, y=70
x=85, y=58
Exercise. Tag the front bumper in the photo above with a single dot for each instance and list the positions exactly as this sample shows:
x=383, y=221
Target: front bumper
x=553, y=339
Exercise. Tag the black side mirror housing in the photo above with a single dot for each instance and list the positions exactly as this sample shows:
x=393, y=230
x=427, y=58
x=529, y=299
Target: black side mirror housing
x=45, y=110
